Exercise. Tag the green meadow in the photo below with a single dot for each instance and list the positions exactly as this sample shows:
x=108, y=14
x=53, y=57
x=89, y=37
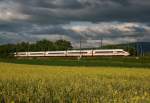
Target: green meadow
x=129, y=62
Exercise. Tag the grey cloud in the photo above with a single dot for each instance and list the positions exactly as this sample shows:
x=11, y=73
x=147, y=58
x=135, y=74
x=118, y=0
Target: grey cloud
x=9, y=37
x=14, y=27
x=62, y=11
x=53, y=30
x=92, y=30
x=32, y=19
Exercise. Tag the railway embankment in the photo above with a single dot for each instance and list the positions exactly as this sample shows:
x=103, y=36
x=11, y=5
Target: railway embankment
x=135, y=62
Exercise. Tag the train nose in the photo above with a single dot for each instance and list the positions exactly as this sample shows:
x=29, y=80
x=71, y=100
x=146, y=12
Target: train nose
x=127, y=53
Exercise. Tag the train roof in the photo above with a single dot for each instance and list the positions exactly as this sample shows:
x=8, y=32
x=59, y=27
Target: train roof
x=109, y=49
x=79, y=50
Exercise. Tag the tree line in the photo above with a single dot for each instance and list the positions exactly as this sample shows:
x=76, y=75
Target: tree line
x=7, y=50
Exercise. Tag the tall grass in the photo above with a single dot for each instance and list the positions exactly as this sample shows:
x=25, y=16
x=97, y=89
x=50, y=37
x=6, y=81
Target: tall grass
x=44, y=84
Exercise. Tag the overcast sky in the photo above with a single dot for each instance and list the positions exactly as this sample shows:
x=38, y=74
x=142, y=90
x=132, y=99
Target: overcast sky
x=117, y=21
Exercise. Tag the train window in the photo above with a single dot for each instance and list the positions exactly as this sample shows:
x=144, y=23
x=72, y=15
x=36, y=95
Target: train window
x=55, y=53
x=104, y=52
x=36, y=53
x=120, y=52
x=77, y=52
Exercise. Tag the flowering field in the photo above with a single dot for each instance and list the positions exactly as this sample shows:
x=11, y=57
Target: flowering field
x=45, y=84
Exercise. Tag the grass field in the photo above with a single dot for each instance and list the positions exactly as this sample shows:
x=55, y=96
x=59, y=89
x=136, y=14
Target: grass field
x=142, y=62
x=54, y=84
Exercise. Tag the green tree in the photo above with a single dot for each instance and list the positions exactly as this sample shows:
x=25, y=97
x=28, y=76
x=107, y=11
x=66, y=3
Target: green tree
x=45, y=45
x=22, y=47
x=63, y=45
x=7, y=50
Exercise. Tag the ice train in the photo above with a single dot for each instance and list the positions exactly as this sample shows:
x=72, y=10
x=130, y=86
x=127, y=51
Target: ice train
x=74, y=53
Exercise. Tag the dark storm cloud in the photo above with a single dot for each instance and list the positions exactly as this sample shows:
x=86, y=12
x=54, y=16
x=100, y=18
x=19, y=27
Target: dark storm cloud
x=61, y=11
x=54, y=30
x=71, y=4
x=29, y=19
x=15, y=27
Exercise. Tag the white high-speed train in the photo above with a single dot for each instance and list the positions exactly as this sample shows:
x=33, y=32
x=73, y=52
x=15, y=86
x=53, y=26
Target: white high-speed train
x=74, y=53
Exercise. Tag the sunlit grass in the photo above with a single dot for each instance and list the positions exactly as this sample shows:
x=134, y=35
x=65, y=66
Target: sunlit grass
x=45, y=84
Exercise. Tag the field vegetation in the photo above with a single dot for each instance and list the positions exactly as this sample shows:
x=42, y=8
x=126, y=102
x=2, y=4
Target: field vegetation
x=137, y=62
x=57, y=84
